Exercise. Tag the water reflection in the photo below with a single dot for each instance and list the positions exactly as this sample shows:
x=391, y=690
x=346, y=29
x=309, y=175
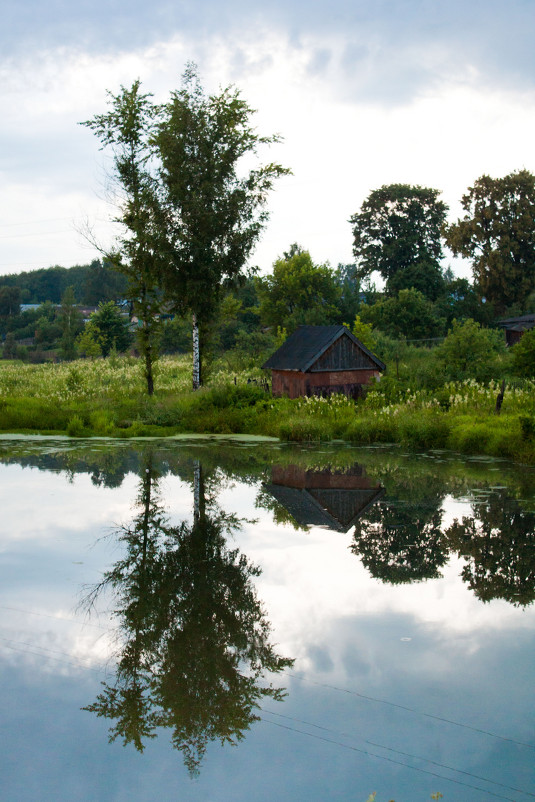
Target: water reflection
x=498, y=544
x=196, y=640
x=401, y=542
x=331, y=498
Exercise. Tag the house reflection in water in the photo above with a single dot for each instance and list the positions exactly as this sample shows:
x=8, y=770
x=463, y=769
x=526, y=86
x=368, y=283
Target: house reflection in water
x=326, y=498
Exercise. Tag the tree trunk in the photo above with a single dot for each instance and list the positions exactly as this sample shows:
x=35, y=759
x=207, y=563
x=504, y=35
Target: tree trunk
x=196, y=354
x=148, y=371
x=199, y=503
x=499, y=400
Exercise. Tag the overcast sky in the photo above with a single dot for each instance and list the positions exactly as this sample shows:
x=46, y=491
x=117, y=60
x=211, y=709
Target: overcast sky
x=364, y=94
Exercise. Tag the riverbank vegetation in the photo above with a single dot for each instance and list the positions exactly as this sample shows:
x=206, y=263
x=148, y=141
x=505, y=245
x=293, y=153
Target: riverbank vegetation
x=106, y=397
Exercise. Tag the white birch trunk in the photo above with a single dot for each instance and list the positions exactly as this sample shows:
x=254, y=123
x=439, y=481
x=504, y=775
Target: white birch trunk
x=196, y=491
x=196, y=355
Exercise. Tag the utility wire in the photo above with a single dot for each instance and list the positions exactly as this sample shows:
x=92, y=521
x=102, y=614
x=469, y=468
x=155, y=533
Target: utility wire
x=399, y=752
x=388, y=759
x=16, y=648
x=412, y=710
x=55, y=617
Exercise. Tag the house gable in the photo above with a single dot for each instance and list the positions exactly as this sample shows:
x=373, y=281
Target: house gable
x=344, y=354
x=312, y=347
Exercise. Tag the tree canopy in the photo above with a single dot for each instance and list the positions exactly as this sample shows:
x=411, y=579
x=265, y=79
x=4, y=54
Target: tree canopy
x=409, y=315
x=214, y=209
x=398, y=234
x=497, y=234
x=191, y=211
x=298, y=292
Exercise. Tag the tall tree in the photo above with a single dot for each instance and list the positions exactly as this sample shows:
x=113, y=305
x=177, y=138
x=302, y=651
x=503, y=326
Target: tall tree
x=9, y=301
x=299, y=292
x=398, y=233
x=110, y=327
x=409, y=315
x=215, y=206
x=71, y=323
x=126, y=128
x=497, y=234
x=196, y=643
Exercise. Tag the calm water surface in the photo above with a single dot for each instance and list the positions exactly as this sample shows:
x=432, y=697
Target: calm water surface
x=217, y=620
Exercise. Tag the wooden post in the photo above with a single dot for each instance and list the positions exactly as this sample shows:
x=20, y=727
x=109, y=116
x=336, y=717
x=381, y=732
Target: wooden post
x=499, y=400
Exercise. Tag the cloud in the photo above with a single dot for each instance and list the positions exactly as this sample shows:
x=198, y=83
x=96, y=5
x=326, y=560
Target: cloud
x=401, y=47
x=364, y=94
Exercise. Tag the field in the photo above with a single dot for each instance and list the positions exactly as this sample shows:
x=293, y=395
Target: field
x=105, y=397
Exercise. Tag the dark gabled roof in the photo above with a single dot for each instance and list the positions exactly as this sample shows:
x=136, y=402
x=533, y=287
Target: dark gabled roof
x=518, y=323
x=334, y=509
x=308, y=343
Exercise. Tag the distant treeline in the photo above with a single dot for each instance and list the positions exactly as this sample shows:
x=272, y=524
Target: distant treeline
x=92, y=284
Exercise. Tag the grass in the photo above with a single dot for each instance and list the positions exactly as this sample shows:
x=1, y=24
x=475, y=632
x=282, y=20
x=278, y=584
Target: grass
x=106, y=397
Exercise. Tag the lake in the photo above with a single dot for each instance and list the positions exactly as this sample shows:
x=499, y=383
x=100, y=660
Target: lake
x=219, y=619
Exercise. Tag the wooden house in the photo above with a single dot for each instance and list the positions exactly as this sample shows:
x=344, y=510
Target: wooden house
x=516, y=326
x=329, y=499
x=321, y=360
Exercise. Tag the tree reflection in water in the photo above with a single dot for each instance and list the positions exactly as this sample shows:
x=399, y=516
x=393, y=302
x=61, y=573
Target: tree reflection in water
x=498, y=543
x=402, y=542
x=195, y=637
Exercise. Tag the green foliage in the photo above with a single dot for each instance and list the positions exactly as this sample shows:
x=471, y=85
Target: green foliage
x=298, y=292
x=468, y=350
x=110, y=328
x=9, y=301
x=498, y=234
x=106, y=395
x=303, y=431
x=527, y=426
x=88, y=342
x=71, y=324
x=75, y=426
x=460, y=301
x=523, y=355
x=92, y=283
x=408, y=315
x=364, y=333
x=398, y=233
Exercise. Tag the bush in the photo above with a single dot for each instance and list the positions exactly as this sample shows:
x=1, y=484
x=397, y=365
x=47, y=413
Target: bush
x=523, y=355
x=469, y=351
x=75, y=426
x=420, y=430
x=302, y=430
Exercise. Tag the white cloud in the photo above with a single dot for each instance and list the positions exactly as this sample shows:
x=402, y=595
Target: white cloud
x=354, y=115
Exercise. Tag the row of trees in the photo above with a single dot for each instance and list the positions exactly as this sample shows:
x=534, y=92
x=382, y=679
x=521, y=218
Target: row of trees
x=400, y=230
x=92, y=284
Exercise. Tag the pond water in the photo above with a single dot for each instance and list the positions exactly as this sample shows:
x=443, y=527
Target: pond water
x=225, y=620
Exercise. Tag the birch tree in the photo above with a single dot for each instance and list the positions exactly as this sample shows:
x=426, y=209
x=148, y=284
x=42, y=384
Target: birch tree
x=126, y=130
x=214, y=204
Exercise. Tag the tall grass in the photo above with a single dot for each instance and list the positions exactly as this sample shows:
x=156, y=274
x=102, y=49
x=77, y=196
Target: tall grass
x=106, y=397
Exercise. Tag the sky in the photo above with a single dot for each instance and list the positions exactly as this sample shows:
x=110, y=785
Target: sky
x=364, y=94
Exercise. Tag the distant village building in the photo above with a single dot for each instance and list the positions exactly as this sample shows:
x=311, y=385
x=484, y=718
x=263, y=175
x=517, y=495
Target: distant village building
x=321, y=360
x=516, y=326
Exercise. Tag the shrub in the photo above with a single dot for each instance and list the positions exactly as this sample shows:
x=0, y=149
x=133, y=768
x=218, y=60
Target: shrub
x=468, y=351
x=523, y=355
x=75, y=426
x=302, y=430
x=420, y=430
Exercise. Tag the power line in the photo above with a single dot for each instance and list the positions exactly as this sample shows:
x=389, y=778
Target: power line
x=399, y=752
x=16, y=648
x=55, y=617
x=388, y=759
x=412, y=710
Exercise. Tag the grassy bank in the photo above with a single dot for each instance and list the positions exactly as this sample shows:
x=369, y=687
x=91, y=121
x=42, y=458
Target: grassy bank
x=107, y=398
